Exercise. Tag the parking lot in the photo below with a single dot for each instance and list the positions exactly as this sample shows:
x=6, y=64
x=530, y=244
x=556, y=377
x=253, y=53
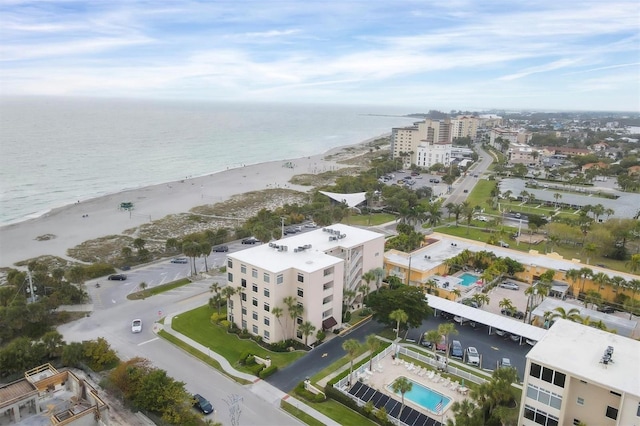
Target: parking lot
x=422, y=180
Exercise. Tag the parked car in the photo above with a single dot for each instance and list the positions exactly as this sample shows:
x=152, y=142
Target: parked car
x=136, y=326
x=606, y=309
x=250, y=240
x=465, y=191
x=509, y=285
x=512, y=313
x=221, y=249
x=310, y=225
x=441, y=346
x=202, y=404
x=456, y=349
x=460, y=320
x=179, y=260
x=500, y=332
x=505, y=363
x=470, y=302
x=117, y=277
x=473, y=357
x=503, y=244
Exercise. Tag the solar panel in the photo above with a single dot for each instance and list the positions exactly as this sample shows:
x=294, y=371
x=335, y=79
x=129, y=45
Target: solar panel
x=382, y=401
x=412, y=417
x=355, y=388
x=369, y=394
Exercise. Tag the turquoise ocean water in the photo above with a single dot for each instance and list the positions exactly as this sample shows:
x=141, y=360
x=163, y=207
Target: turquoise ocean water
x=55, y=151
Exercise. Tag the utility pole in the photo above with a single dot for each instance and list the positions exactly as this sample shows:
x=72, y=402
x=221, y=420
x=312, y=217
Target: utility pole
x=282, y=227
x=33, y=294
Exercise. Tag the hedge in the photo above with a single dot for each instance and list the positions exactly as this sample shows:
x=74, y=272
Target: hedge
x=266, y=372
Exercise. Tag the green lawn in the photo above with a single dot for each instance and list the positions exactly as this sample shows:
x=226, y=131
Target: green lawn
x=299, y=414
x=481, y=195
x=340, y=413
x=475, y=233
x=369, y=219
x=196, y=325
x=157, y=290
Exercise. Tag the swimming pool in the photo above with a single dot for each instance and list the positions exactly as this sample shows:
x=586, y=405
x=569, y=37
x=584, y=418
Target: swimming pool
x=468, y=279
x=425, y=397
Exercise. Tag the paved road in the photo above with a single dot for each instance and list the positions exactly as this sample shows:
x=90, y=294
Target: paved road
x=320, y=358
x=113, y=322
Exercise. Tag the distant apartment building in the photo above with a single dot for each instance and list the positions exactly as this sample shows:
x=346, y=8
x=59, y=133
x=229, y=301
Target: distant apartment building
x=513, y=136
x=405, y=140
x=464, y=126
x=549, y=151
x=578, y=374
x=522, y=154
x=429, y=154
x=314, y=268
x=488, y=121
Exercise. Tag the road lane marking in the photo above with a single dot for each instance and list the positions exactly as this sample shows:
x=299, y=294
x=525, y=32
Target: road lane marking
x=494, y=348
x=148, y=341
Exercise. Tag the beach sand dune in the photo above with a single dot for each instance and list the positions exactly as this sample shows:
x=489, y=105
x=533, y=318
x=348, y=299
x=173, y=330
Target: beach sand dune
x=89, y=219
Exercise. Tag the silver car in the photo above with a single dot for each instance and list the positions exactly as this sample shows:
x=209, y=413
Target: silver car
x=509, y=285
x=473, y=357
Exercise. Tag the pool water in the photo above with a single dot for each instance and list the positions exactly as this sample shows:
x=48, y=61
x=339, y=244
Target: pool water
x=424, y=397
x=468, y=279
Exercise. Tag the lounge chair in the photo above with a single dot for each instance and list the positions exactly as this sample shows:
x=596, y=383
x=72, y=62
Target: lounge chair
x=430, y=374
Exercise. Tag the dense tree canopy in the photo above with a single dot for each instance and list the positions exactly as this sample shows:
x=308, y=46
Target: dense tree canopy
x=407, y=298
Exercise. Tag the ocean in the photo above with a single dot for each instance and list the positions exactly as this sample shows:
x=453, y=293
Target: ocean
x=56, y=151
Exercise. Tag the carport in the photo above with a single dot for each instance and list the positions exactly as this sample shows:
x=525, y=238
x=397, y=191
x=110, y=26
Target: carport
x=493, y=321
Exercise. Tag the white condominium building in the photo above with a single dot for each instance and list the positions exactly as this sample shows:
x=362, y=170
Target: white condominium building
x=405, y=140
x=577, y=374
x=312, y=269
x=431, y=153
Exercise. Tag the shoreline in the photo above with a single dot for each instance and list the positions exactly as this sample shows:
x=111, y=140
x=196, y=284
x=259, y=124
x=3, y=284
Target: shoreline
x=75, y=223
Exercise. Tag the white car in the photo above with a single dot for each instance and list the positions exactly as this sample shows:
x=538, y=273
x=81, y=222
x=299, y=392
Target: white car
x=473, y=357
x=136, y=326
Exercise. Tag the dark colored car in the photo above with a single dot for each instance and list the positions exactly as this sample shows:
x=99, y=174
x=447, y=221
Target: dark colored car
x=514, y=314
x=456, y=349
x=183, y=260
x=606, y=309
x=250, y=240
x=202, y=404
x=221, y=249
x=117, y=277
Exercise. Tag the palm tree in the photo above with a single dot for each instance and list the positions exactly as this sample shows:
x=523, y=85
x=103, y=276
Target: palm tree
x=352, y=346
x=454, y=209
x=402, y=385
x=634, y=263
x=379, y=274
x=373, y=344
x=467, y=212
x=215, y=288
x=306, y=328
x=447, y=329
x=227, y=292
x=456, y=293
x=295, y=310
x=433, y=213
x=363, y=289
x=289, y=302
x=205, y=250
x=277, y=312
x=143, y=286
x=191, y=249
x=507, y=305
x=592, y=297
x=481, y=299
x=572, y=314
x=433, y=337
x=399, y=316
x=557, y=196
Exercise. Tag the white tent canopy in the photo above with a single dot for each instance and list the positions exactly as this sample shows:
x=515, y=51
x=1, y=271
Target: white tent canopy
x=350, y=200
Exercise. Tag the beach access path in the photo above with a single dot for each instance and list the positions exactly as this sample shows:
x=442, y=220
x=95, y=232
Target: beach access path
x=85, y=220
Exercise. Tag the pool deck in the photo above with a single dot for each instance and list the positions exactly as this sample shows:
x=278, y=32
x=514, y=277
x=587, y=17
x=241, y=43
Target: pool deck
x=387, y=370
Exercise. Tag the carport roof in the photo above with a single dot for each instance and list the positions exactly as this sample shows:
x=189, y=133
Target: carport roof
x=623, y=326
x=487, y=318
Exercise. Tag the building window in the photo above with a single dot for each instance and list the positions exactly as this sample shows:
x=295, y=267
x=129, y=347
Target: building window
x=254, y=315
x=230, y=304
x=244, y=324
x=327, y=285
x=254, y=287
x=243, y=282
x=266, y=307
x=300, y=292
x=266, y=335
x=254, y=273
x=328, y=271
x=300, y=278
x=612, y=413
x=254, y=302
x=243, y=268
x=535, y=370
x=267, y=321
x=576, y=422
x=243, y=296
x=299, y=334
x=229, y=277
x=547, y=374
x=255, y=329
x=266, y=292
x=638, y=411
x=229, y=263
x=244, y=311
x=299, y=320
x=558, y=379
x=279, y=279
x=615, y=393
x=580, y=401
x=266, y=277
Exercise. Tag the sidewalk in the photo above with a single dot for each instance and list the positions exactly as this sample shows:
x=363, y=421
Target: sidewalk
x=258, y=386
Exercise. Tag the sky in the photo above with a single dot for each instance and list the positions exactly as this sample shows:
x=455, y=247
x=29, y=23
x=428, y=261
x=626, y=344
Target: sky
x=453, y=54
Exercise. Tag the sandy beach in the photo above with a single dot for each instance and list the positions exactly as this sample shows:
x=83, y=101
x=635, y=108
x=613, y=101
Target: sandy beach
x=98, y=217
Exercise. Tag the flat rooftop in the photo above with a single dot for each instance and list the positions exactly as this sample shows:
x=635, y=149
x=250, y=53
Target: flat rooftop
x=446, y=246
x=306, y=259
x=578, y=349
